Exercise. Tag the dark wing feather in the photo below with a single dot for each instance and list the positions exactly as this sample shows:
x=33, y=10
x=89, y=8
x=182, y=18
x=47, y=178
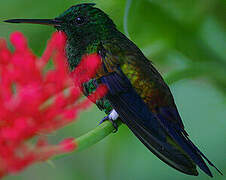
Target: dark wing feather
x=136, y=115
x=154, y=132
x=160, y=128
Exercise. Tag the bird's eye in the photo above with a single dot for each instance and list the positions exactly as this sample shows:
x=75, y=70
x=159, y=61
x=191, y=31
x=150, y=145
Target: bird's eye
x=79, y=20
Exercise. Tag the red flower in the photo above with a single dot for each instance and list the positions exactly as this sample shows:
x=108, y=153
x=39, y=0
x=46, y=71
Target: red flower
x=36, y=101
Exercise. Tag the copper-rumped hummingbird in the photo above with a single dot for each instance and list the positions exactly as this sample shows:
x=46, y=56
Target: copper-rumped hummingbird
x=137, y=94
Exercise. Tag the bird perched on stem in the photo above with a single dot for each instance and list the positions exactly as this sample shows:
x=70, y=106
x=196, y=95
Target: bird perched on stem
x=137, y=94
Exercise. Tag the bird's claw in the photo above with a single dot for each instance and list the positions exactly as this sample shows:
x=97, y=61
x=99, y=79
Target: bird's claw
x=104, y=119
x=115, y=125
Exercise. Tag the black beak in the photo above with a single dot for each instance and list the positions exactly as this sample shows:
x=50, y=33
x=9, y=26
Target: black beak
x=51, y=22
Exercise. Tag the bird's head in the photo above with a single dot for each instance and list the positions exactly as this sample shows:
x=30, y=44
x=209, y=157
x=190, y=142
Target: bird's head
x=85, y=20
x=82, y=21
x=84, y=25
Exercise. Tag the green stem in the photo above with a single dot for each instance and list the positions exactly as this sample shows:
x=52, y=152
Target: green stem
x=95, y=135
x=125, y=19
x=92, y=137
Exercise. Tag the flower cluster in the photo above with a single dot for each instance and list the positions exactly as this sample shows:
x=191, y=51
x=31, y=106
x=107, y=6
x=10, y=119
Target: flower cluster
x=35, y=100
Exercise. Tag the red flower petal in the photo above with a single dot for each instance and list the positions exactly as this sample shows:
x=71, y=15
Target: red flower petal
x=34, y=102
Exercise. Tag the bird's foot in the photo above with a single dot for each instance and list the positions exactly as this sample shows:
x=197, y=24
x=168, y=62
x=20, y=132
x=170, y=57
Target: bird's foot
x=111, y=117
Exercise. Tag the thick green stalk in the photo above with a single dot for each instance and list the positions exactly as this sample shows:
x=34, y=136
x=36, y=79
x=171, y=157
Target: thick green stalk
x=92, y=137
x=95, y=135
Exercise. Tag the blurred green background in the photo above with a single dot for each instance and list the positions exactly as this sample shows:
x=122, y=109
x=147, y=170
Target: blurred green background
x=186, y=40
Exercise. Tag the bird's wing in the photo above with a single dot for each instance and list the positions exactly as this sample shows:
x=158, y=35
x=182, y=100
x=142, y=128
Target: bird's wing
x=160, y=128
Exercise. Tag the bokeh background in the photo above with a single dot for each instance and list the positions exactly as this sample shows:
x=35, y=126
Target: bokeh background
x=186, y=40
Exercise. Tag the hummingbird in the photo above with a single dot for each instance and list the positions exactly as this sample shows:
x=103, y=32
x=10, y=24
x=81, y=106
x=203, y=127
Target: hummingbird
x=137, y=94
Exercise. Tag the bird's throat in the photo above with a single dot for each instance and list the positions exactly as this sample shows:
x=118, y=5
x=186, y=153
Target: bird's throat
x=77, y=48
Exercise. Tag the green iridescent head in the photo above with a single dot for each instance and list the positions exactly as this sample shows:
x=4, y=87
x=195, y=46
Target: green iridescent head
x=84, y=25
x=84, y=20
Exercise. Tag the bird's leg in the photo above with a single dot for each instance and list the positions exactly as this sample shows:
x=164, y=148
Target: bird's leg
x=111, y=117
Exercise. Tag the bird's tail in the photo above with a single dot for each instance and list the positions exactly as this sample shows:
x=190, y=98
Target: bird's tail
x=181, y=138
x=203, y=156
